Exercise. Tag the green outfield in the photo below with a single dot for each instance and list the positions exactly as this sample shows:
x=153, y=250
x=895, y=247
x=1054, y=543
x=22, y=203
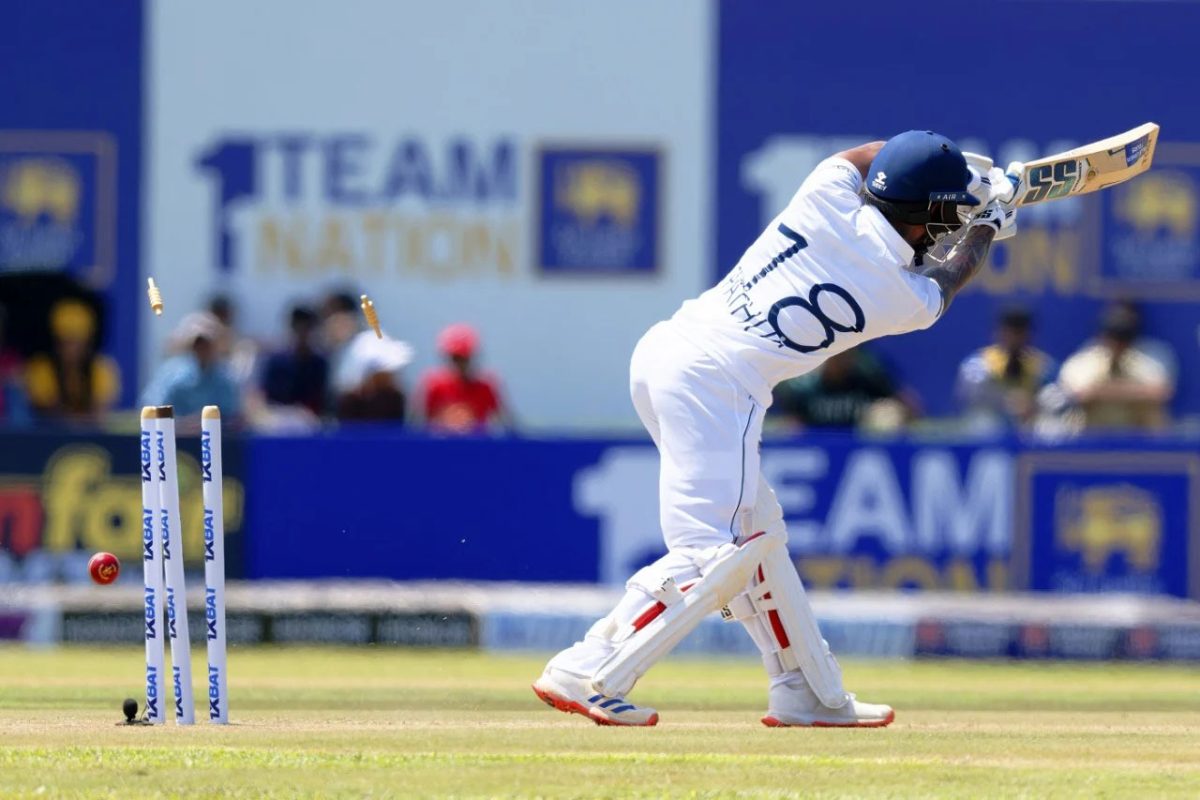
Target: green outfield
x=383, y=723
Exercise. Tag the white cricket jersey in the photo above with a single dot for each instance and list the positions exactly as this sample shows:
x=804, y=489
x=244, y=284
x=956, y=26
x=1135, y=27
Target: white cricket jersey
x=827, y=274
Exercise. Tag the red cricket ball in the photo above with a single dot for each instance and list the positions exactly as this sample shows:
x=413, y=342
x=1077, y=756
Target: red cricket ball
x=104, y=568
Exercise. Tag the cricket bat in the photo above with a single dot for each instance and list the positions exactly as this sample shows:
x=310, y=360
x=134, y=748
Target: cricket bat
x=1089, y=168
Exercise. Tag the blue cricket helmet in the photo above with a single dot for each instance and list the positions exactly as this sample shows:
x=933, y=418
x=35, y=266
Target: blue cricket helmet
x=920, y=178
x=920, y=167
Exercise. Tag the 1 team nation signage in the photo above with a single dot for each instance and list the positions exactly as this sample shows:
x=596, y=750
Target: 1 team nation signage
x=894, y=516
x=354, y=203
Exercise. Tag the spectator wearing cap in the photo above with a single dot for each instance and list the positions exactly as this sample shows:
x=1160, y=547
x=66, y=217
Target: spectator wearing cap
x=998, y=385
x=378, y=395
x=195, y=377
x=1116, y=385
x=352, y=352
x=456, y=397
x=298, y=375
x=72, y=382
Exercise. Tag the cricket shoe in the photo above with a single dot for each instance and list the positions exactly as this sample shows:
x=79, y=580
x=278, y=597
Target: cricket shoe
x=574, y=695
x=794, y=705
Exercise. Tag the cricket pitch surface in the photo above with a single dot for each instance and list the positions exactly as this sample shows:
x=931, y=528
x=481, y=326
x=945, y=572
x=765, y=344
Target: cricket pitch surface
x=400, y=723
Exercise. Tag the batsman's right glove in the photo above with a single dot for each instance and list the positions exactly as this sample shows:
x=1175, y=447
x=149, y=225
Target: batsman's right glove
x=1000, y=215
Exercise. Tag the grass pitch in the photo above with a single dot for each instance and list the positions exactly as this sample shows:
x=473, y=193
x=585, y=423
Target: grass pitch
x=385, y=723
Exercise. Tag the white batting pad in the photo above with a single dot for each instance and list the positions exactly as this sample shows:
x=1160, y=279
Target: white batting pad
x=723, y=576
x=779, y=602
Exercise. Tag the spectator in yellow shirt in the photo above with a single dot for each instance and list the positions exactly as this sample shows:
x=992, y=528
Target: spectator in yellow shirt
x=72, y=382
x=1114, y=383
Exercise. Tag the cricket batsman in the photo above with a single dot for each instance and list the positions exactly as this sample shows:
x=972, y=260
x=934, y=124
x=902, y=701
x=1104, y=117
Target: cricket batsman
x=842, y=264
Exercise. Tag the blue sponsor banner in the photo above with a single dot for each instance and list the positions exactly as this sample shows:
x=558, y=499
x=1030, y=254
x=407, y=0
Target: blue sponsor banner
x=395, y=506
x=382, y=504
x=598, y=210
x=70, y=154
x=860, y=514
x=797, y=82
x=64, y=496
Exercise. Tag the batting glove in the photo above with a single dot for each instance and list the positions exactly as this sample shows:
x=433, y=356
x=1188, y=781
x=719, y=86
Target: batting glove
x=1001, y=215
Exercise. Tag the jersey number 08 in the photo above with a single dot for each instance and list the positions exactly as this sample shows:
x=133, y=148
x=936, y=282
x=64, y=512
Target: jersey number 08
x=812, y=304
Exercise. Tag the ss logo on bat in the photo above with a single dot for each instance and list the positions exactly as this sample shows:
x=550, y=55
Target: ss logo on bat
x=1051, y=180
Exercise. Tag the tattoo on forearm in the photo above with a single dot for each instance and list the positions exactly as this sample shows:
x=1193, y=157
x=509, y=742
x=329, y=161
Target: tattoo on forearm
x=964, y=261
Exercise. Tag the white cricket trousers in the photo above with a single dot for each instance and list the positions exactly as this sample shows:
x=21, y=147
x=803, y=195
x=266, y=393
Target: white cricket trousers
x=707, y=428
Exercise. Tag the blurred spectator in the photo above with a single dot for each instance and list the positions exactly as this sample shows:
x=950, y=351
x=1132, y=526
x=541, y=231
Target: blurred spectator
x=12, y=396
x=456, y=397
x=298, y=374
x=850, y=389
x=1158, y=350
x=73, y=381
x=354, y=354
x=998, y=385
x=378, y=396
x=1114, y=383
x=195, y=377
x=239, y=353
x=340, y=323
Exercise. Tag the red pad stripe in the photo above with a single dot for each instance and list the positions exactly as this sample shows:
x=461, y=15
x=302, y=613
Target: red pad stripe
x=777, y=627
x=651, y=613
x=648, y=616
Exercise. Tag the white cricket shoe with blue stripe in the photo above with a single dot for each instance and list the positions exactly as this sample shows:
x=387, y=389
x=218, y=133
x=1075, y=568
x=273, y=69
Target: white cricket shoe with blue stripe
x=574, y=695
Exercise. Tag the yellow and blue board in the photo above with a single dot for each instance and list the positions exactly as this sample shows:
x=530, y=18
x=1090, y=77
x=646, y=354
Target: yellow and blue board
x=599, y=210
x=70, y=155
x=1150, y=230
x=57, y=204
x=1120, y=521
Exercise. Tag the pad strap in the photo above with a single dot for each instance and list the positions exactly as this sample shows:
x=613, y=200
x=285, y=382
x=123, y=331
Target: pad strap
x=725, y=573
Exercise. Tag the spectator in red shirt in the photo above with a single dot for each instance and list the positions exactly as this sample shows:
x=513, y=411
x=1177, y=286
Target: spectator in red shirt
x=455, y=397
